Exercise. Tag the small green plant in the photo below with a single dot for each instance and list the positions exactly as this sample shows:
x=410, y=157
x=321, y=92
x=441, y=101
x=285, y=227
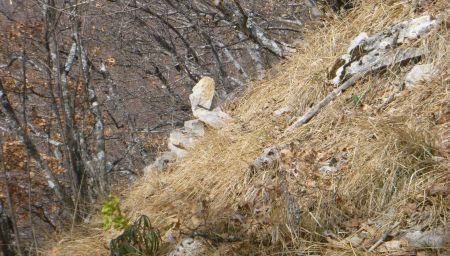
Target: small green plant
x=357, y=100
x=112, y=215
x=140, y=238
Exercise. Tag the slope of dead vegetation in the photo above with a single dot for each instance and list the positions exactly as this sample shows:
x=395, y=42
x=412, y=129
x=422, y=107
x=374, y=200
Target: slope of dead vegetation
x=361, y=170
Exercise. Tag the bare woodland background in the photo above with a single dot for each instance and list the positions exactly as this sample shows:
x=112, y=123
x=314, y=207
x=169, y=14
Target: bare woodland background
x=88, y=90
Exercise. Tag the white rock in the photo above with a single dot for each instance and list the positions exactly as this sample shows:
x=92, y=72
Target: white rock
x=202, y=93
x=355, y=240
x=316, y=12
x=189, y=247
x=358, y=40
x=413, y=29
x=433, y=239
x=269, y=156
x=179, y=152
x=279, y=112
x=379, y=51
x=182, y=139
x=195, y=127
x=394, y=245
x=326, y=169
x=179, y=141
x=216, y=118
x=419, y=73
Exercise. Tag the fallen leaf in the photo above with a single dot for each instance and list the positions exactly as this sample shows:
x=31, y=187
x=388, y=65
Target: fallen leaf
x=441, y=189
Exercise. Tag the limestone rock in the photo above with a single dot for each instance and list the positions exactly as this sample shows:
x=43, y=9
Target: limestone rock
x=195, y=127
x=182, y=139
x=419, y=73
x=216, y=118
x=413, y=29
x=202, y=94
x=393, y=245
x=269, y=156
x=438, y=238
x=327, y=169
x=189, y=247
x=358, y=40
x=355, y=240
x=279, y=112
x=179, y=152
x=368, y=54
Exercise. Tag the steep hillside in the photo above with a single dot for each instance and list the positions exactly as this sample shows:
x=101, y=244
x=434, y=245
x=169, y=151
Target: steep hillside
x=372, y=165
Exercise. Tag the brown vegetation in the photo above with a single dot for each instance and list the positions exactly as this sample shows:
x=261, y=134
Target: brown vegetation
x=393, y=161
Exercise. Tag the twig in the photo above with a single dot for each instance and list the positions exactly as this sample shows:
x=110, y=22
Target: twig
x=316, y=109
x=384, y=237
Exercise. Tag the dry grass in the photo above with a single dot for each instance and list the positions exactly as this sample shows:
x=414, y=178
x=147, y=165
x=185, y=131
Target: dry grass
x=388, y=159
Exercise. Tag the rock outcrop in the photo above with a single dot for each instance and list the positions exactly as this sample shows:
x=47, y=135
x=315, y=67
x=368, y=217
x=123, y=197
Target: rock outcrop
x=419, y=73
x=180, y=140
x=367, y=54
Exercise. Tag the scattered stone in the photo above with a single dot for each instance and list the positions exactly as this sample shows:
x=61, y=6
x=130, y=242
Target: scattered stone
x=202, y=98
x=394, y=245
x=216, y=118
x=326, y=169
x=195, y=127
x=435, y=239
x=419, y=73
x=329, y=166
x=179, y=152
x=182, y=139
x=201, y=101
x=269, y=156
x=189, y=247
x=413, y=29
x=202, y=94
x=278, y=113
x=368, y=54
x=358, y=40
x=355, y=240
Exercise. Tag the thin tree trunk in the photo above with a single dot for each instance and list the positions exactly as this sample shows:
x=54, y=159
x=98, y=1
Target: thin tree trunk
x=52, y=181
x=12, y=213
x=100, y=157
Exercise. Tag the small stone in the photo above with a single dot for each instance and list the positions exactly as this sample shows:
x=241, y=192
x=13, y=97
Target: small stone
x=419, y=73
x=316, y=12
x=189, y=247
x=269, y=156
x=326, y=169
x=413, y=29
x=195, y=127
x=433, y=238
x=355, y=241
x=216, y=118
x=358, y=40
x=179, y=152
x=278, y=113
x=203, y=93
x=395, y=245
x=182, y=139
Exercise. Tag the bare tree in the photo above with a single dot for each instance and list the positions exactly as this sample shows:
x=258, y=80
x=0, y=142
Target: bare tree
x=89, y=88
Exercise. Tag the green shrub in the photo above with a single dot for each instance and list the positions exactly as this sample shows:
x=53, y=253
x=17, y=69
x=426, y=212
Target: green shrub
x=112, y=216
x=140, y=238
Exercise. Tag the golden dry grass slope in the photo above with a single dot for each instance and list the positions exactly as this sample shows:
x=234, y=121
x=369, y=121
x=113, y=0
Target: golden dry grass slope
x=392, y=161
